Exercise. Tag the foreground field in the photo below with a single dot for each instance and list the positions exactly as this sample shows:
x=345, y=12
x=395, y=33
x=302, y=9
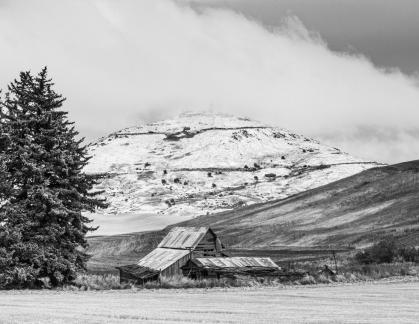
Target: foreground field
x=383, y=302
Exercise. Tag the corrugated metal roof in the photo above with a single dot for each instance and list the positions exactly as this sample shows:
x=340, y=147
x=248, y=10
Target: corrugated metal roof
x=160, y=258
x=236, y=262
x=183, y=237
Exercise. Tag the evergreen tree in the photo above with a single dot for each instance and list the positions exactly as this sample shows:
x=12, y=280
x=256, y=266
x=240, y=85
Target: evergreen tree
x=43, y=189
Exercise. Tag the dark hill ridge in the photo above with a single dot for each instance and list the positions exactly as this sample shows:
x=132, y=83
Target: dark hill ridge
x=352, y=212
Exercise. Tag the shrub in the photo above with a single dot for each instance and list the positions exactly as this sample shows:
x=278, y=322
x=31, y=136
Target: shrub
x=409, y=254
x=383, y=252
x=386, y=251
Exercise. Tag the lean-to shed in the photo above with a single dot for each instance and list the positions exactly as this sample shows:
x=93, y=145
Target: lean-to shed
x=230, y=267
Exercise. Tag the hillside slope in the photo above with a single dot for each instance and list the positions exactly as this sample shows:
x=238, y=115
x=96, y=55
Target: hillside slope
x=196, y=164
x=354, y=211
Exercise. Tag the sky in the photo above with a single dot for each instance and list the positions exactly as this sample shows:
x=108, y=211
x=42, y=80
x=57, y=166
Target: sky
x=386, y=31
x=344, y=72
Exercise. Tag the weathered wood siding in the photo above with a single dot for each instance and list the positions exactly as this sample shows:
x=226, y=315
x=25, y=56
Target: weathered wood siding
x=175, y=268
x=209, y=245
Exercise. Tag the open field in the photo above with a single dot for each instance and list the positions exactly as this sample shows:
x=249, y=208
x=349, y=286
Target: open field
x=379, y=302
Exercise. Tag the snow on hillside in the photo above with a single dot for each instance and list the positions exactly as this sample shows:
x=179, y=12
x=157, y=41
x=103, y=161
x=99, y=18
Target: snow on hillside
x=199, y=163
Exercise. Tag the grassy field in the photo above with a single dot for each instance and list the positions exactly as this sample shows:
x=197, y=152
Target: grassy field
x=379, y=302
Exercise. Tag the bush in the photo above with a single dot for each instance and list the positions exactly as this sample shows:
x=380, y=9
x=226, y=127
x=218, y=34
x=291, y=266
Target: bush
x=383, y=252
x=409, y=254
x=386, y=251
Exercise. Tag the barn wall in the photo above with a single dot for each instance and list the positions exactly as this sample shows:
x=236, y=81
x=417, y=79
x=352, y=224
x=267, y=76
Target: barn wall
x=175, y=268
x=207, y=246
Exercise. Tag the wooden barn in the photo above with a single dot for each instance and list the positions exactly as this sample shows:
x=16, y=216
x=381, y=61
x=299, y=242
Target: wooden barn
x=201, y=268
x=201, y=241
x=179, y=246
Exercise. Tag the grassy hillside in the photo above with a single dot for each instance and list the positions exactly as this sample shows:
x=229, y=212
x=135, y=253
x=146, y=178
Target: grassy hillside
x=110, y=251
x=352, y=212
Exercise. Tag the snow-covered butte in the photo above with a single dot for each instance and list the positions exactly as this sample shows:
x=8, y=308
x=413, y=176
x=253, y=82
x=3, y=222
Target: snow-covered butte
x=199, y=163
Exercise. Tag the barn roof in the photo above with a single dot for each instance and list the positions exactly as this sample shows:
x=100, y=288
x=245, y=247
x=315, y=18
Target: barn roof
x=235, y=262
x=183, y=237
x=160, y=258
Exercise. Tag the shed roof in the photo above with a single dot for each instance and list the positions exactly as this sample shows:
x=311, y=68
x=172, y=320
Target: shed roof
x=139, y=271
x=236, y=262
x=183, y=237
x=161, y=258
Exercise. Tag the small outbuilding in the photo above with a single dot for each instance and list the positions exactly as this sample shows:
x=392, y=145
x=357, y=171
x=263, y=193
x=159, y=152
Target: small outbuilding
x=200, y=268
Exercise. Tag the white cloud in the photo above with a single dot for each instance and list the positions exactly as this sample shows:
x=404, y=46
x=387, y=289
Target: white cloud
x=118, y=61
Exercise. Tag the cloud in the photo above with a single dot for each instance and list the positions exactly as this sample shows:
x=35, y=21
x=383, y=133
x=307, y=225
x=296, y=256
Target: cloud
x=121, y=61
x=371, y=142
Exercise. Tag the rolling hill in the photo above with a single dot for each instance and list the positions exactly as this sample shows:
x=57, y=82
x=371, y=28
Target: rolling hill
x=351, y=212
x=170, y=171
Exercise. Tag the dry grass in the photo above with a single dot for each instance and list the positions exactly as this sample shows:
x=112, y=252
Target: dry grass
x=110, y=281
x=350, y=273
x=184, y=282
x=383, y=270
x=97, y=282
